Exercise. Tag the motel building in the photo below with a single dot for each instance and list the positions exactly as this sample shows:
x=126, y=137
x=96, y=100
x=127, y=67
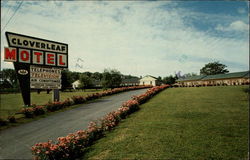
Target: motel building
x=236, y=78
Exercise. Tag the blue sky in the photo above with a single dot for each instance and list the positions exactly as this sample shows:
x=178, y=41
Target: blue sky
x=138, y=38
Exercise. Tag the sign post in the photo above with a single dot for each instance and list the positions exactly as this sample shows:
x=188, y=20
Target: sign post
x=23, y=75
x=56, y=95
x=37, y=62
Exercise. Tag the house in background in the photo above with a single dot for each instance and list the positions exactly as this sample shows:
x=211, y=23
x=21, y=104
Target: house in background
x=76, y=84
x=149, y=80
x=236, y=78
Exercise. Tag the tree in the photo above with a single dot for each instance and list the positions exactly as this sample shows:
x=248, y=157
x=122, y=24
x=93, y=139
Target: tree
x=75, y=76
x=85, y=81
x=159, y=78
x=97, y=76
x=10, y=76
x=5, y=84
x=213, y=68
x=66, y=79
x=169, y=80
x=111, y=78
x=88, y=73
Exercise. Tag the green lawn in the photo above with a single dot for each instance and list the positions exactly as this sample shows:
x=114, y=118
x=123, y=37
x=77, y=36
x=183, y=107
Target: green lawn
x=12, y=103
x=182, y=123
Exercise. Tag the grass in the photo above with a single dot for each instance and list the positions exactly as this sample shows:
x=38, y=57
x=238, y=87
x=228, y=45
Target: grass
x=182, y=123
x=12, y=103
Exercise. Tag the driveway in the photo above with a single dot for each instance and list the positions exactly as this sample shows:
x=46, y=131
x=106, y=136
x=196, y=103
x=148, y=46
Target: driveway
x=15, y=143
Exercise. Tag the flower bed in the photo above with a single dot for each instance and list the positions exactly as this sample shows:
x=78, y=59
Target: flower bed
x=73, y=145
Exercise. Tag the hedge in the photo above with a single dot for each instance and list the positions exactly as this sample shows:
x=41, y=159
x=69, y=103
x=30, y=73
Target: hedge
x=35, y=110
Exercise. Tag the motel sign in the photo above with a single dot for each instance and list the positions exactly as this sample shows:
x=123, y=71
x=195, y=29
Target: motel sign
x=35, y=51
x=34, y=57
x=37, y=62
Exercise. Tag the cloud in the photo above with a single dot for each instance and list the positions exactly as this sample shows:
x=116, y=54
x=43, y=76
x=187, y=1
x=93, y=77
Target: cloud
x=137, y=38
x=234, y=26
x=239, y=26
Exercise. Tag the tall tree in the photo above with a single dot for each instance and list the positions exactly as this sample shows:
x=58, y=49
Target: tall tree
x=111, y=78
x=213, y=68
x=85, y=81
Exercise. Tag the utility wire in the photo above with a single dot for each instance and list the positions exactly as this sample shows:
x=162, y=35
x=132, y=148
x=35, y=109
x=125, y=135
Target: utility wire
x=5, y=13
x=12, y=16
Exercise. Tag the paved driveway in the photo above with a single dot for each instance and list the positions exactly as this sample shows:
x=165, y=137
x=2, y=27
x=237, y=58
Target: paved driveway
x=15, y=143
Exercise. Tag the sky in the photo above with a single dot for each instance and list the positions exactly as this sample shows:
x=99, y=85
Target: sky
x=158, y=38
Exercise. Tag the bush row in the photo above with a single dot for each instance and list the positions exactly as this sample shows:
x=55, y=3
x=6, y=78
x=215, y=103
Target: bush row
x=73, y=145
x=35, y=110
x=82, y=99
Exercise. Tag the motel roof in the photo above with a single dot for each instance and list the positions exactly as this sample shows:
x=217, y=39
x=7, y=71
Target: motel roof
x=130, y=80
x=193, y=78
x=244, y=74
x=247, y=75
x=149, y=76
x=227, y=75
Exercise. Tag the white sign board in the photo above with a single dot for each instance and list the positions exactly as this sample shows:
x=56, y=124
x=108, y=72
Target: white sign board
x=45, y=78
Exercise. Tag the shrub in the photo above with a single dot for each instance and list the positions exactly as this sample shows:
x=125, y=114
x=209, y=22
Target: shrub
x=54, y=106
x=28, y=112
x=39, y=110
x=67, y=102
x=46, y=150
x=94, y=132
x=110, y=121
x=132, y=106
x=78, y=99
x=141, y=98
x=123, y=112
x=12, y=119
